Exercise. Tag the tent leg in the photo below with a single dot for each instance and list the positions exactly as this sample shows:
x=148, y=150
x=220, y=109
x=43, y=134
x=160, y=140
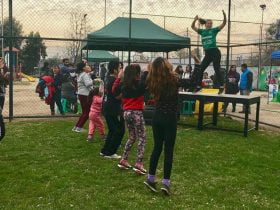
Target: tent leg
x=190, y=55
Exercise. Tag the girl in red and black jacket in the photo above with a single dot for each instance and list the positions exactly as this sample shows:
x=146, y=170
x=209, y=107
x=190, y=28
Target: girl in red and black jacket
x=133, y=89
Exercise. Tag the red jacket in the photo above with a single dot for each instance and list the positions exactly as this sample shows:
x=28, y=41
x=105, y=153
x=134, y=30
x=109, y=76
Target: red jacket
x=49, y=83
x=132, y=98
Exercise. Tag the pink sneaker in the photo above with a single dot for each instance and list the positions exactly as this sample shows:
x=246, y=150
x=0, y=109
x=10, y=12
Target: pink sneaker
x=139, y=168
x=89, y=138
x=123, y=164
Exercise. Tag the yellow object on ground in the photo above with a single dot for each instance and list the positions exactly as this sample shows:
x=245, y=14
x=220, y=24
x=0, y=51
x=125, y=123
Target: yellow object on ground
x=209, y=107
x=29, y=78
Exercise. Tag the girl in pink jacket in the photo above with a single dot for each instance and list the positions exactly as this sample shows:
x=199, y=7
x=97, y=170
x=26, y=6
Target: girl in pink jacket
x=95, y=118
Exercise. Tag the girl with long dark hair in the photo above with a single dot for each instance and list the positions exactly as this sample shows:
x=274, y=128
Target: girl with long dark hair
x=133, y=89
x=163, y=85
x=232, y=81
x=212, y=53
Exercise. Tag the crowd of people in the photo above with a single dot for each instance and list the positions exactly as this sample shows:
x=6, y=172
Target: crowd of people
x=121, y=102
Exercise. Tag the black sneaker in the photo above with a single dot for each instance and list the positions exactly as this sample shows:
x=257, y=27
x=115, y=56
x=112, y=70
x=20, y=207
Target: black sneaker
x=221, y=90
x=151, y=186
x=165, y=189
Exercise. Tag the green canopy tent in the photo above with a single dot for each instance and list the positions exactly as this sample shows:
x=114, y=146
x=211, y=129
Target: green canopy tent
x=98, y=56
x=146, y=36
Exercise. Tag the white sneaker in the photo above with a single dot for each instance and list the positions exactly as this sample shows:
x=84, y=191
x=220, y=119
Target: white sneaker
x=114, y=156
x=80, y=130
x=74, y=129
x=101, y=154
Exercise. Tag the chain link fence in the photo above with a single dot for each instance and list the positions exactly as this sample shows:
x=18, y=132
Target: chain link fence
x=50, y=30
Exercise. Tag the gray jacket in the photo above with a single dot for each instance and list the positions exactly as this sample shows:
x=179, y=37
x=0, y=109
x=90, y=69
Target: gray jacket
x=85, y=84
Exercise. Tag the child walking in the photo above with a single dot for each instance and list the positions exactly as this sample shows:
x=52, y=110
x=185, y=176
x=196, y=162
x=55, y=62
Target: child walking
x=163, y=85
x=95, y=118
x=132, y=89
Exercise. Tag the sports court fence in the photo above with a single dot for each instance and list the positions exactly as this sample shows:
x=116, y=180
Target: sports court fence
x=63, y=25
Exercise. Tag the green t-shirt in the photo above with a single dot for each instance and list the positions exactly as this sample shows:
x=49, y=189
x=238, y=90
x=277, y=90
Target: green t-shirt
x=208, y=37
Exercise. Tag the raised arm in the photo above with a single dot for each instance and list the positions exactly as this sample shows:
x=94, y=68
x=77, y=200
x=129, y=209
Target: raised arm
x=193, y=24
x=224, y=21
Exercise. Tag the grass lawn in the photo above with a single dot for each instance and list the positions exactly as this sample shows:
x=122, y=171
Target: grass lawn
x=44, y=165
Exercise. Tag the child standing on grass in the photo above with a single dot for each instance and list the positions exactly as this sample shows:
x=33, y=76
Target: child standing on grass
x=132, y=91
x=163, y=85
x=95, y=118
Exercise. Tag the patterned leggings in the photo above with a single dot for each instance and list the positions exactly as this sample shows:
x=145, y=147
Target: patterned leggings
x=136, y=129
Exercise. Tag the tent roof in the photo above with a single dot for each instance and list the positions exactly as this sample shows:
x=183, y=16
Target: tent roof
x=146, y=36
x=275, y=54
x=101, y=56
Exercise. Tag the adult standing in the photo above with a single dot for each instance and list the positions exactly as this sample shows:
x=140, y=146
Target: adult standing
x=212, y=53
x=246, y=82
x=112, y=112
x=68, y=87
x=232, y=81
x=56, y=98
x=3, y=81
x=85, y=85
x=103, y=71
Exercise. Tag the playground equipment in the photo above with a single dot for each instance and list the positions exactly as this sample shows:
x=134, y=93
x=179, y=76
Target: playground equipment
x=273, y=92
x=29, y=78
x=15, y=63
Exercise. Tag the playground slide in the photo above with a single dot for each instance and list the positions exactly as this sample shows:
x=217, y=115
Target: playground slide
x=29, y=78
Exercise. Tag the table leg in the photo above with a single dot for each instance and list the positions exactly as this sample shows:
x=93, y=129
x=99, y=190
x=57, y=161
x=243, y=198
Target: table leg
x=200, y=115
x=257, y=116
x=215, y=113
x=246, y=120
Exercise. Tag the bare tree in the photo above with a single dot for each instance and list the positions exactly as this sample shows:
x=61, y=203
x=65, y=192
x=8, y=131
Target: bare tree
x=77, y=30
x=182, y=54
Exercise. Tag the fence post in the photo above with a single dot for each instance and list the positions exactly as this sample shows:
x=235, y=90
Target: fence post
x=11, y=69
x=228, y=36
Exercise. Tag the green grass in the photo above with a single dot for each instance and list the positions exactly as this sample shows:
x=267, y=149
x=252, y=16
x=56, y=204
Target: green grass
x=43, y=165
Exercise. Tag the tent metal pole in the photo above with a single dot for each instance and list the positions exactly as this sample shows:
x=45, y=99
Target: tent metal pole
x=11, y=68
x=190, y=55
x=129, y=51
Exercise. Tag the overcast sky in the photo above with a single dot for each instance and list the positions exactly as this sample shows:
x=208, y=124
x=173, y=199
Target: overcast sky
x=51, y=17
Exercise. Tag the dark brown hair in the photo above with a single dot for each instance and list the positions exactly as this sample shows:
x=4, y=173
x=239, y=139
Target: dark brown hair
x=161, y=77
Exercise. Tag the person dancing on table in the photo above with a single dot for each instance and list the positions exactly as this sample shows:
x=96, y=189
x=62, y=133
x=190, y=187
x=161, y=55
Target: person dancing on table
x=212, y=53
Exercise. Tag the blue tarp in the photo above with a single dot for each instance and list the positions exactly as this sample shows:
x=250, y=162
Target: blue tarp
x=275, y=54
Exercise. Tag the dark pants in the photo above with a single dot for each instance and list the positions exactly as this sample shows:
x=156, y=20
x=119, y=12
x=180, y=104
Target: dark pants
x=85, y=104
x=164, y=131
x=56, y=99
x=211, y=55
x=2, y=127
x=2, y=101
x=233, y=106
x=116, y=130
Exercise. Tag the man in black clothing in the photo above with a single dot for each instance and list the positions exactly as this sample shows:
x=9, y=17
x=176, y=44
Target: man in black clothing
x=103, y=71
x=113, y=113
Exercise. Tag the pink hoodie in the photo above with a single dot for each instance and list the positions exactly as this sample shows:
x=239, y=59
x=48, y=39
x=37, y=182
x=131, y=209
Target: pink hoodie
x=96, y=105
